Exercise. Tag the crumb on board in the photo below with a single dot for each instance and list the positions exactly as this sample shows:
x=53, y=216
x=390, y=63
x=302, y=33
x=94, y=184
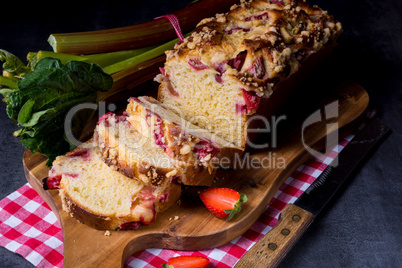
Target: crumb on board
x=216, y=179
x=108, y=233
x=175, y=218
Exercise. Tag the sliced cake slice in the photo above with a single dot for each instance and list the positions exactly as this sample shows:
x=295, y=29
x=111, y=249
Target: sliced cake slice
x=179, y=138
x=136, y=156
x=103, y=198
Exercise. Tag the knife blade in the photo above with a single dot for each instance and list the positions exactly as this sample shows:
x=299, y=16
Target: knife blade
x=297, y=217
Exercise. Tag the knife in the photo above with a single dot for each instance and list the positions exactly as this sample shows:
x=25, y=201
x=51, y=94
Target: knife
x=296, y=218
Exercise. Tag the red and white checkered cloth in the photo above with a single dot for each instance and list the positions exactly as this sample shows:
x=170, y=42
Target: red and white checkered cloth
x=29, y=227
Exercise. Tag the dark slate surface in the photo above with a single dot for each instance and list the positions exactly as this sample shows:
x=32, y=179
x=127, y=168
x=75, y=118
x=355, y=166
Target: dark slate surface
x=362, y=226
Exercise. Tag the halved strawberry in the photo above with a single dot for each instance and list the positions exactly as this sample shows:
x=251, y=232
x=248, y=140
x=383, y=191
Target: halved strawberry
x=186, y=262
x=223, y=202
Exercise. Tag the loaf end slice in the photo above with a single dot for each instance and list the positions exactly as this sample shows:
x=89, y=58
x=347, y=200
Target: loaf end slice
x=103, y=198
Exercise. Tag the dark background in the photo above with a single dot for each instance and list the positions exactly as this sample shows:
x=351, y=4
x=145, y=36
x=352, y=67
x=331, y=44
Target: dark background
x=362, y=227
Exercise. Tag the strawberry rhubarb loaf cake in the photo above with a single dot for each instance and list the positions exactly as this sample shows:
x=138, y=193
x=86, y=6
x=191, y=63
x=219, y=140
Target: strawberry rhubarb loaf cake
x=233, y=64
x=232, y=68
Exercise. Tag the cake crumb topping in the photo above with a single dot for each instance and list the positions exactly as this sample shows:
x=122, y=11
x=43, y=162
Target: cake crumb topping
x=280, y=31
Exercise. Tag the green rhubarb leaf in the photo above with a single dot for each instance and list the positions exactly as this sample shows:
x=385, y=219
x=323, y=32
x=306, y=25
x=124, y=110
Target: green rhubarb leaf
x=44, y=97
x=26, y=112
x=36, y=117
x=13, y=65
x=5, y=92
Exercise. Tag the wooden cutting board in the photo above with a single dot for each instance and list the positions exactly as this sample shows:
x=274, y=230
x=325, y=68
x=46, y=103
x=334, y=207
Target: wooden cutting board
x=196, y=228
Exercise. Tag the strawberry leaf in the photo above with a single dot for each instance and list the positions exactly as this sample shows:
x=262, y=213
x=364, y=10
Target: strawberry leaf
x=243, y=198
x=237, y=207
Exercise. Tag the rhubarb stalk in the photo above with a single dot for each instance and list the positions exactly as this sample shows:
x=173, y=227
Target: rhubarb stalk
x=150, y=54
x=102, y=59
x=7, y=82
x=138, y=35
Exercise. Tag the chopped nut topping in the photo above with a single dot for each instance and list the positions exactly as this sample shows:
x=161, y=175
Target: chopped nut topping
x=185, y=149
x=207, y=158
x=171, y=173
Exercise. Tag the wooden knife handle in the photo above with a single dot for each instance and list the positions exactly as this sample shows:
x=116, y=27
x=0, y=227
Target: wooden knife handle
x=273, y=247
